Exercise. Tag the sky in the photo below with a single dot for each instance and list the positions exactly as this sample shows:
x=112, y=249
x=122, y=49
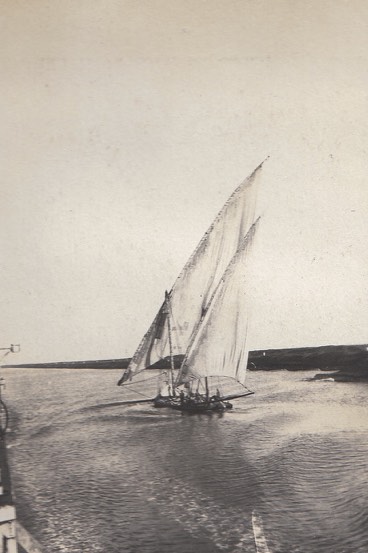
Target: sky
x=125, y=127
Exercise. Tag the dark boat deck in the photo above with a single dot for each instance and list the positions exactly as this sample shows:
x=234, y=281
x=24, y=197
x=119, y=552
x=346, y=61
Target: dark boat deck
x=6, y=495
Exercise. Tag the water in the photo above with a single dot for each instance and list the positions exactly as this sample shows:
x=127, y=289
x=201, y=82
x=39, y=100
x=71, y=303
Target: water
x=92, y=478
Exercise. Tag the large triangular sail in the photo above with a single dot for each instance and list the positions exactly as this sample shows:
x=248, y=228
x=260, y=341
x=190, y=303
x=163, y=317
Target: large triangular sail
x=190, y=296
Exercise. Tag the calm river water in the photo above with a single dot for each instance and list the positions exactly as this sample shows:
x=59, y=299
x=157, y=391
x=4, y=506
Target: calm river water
x=94, y=478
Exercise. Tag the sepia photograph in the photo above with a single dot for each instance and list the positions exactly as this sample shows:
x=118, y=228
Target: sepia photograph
x=184, y=276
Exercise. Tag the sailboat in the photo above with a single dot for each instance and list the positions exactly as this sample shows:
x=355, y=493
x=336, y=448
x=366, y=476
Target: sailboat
x=200, y=330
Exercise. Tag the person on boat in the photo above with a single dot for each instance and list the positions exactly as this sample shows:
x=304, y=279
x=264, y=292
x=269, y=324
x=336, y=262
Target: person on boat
x=197, y=397
x=217, y=396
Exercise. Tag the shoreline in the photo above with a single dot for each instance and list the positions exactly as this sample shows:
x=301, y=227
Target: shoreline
x=341, y=360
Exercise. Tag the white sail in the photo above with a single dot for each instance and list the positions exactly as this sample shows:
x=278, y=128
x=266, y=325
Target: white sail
x=219, y=347
x=190, y=296
x=152, y=347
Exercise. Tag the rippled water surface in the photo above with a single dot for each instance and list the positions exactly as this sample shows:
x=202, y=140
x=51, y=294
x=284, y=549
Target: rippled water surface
x=89, y=477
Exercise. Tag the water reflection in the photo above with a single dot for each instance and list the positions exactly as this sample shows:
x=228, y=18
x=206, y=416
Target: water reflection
x=127, y=479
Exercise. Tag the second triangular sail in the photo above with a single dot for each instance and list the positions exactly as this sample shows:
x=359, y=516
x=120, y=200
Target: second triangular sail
x=219, y=346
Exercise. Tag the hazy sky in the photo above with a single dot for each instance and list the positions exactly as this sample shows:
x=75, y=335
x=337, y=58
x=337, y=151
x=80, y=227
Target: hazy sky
x=125, y=125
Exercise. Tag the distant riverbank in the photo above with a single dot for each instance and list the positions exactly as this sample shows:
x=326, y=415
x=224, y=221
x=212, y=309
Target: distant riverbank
x=95, y=364
x=343, y=363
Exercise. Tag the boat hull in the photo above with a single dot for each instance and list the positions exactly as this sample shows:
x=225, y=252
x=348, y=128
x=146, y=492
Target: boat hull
x=189, y=405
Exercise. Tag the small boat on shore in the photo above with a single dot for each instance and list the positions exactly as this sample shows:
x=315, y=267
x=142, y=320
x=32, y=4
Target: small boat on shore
x=203, y=320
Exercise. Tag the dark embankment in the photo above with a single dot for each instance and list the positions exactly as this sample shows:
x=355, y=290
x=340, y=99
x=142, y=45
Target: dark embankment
x=322, y=357
x=344, y=363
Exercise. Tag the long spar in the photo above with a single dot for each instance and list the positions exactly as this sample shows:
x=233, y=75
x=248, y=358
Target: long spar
x=172, y=365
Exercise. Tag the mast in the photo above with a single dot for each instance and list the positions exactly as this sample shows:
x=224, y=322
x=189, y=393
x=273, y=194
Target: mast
x=172, y=365
x=207, y=390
